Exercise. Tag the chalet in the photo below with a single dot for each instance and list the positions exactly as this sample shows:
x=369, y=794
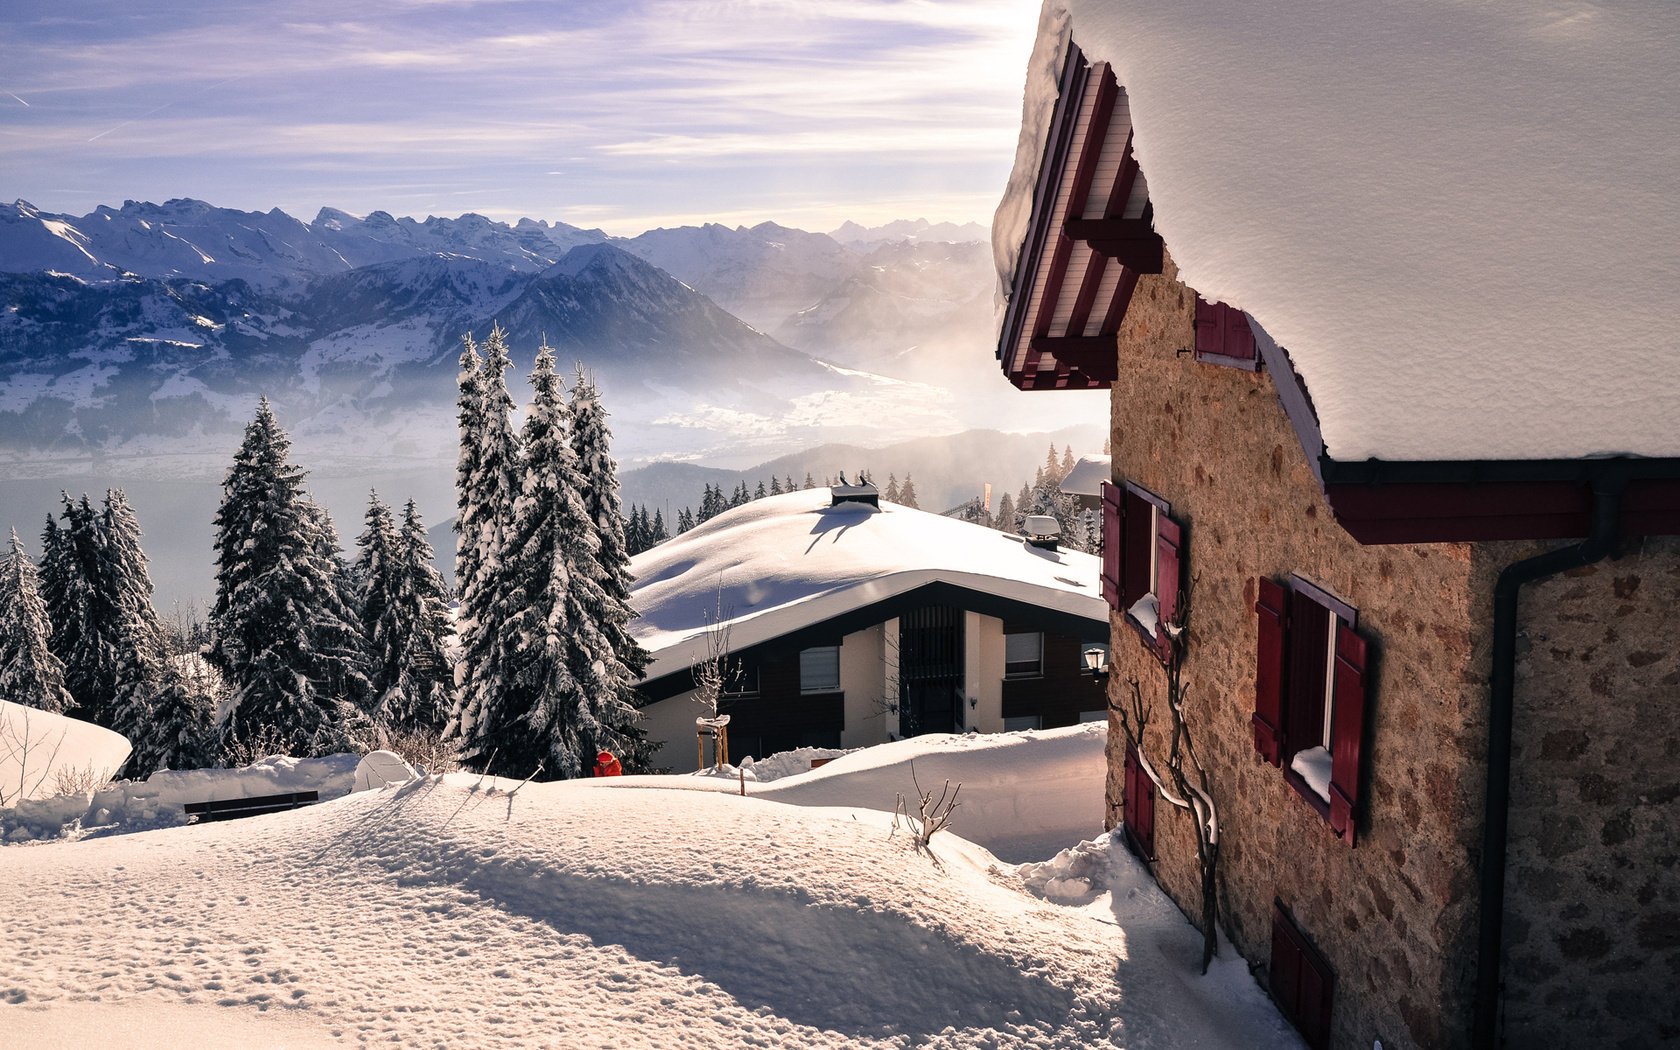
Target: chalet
x=850, y=621
x=1396, y=442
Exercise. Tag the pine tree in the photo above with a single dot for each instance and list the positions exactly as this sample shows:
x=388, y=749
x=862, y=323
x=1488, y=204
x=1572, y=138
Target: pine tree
x=380, y=603
x=29, y=673
x=422, y=690
x=907, y=493
x=136, y=637
x=809, y=484
x=281, y=631
x=741, y=497
x=544, y=722
x=180, y=734
x=760, y=492
x=487, y=484
x=81, y=613
x=656, y=532
x=685, y=520
x=617, y=671
x=1066, y=467
x=775, y=485
x=1005, y=521
x=788, y=485
x=892, y=494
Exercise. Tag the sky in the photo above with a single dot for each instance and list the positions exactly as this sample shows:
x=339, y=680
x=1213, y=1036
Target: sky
x=622, y=115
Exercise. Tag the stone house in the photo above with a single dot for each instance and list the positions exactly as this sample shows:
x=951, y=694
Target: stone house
x=851, y=621
x=1437, y=695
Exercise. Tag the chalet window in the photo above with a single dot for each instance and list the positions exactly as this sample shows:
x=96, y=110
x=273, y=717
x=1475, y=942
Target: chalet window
x=1309, y=696
x=819, y=669
x=741, y=681
x=1020, y=722
x=1301, y=980
x=1142, y=564
x=1223, y=336
x=1137, y=806
x=1023, y=655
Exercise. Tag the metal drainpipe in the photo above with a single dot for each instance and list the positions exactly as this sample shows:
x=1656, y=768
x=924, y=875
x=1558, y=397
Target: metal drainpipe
x=1607, y=486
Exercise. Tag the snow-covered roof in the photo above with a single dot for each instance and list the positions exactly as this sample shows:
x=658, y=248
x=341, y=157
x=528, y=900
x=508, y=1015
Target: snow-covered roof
x=1457, y=218
x=1087, y=476
x=783, y=563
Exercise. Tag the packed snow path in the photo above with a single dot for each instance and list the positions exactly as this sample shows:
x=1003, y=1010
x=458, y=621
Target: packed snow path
x=452, y=912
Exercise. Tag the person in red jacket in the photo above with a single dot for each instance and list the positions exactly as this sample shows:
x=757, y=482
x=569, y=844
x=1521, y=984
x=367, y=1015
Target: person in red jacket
x=606, y=765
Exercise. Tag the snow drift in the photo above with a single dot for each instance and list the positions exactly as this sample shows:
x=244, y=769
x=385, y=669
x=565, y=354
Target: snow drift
x=42, y=754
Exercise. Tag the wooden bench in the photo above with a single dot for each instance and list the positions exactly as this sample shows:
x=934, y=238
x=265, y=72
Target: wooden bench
x=234, y=808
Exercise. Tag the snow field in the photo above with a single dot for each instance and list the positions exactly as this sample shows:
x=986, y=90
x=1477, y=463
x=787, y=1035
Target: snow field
x=465, y=911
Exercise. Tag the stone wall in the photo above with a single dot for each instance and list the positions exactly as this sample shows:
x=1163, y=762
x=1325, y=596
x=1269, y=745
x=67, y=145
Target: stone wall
x=1592, y=927
x=1395, y=914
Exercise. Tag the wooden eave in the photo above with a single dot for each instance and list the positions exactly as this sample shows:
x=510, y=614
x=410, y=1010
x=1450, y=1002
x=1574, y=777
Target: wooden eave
x=1088, y=240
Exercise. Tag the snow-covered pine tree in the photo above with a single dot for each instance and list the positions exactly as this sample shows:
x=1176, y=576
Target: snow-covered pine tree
x=761, y=491
x=685, y=520
x=487, y=484
x=81, y=612
x=614, y=703
x=809, y=482
x=380, y=602
x=422, y=690
x=281, y=632
x=892, y=494
x=907, y=492
x=29, y=673
x=136, y=636
x=1066, y=467
x=1005, y=520
x=742, y=495
x=180, y=734
x=555, y=654
x=775, y=485
x=656, y=532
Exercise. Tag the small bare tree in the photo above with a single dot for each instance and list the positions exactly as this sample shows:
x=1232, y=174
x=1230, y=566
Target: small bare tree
x=1186, y=785
x=932, y=814
x=715, y=672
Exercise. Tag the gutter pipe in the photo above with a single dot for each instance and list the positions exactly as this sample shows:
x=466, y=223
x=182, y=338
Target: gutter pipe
x=1607, y=486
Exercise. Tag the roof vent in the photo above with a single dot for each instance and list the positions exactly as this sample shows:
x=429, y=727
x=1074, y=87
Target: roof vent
x=1041, y=531
x=862, y=492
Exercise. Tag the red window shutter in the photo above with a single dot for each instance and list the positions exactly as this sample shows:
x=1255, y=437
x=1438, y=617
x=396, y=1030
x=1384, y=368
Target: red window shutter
x=1223, y=335
x=1347, y=730
x=1111, y=542
x=1300, y=980
x=1209, y=338
x=1135, y=538
x=1169, y=535
x=1269, y=671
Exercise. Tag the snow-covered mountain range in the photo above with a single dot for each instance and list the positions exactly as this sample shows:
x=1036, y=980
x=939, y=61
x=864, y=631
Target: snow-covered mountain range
x=139, y=337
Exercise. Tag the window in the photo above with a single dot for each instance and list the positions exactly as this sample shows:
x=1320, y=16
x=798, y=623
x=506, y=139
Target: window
x=1142, y=567
x=1309, y=695
x=1023, y=655
x=1300, y=979
x=1137, y=806
x=1224, y=336
x=741, y=680
x=1020, y=722
x=819, y=669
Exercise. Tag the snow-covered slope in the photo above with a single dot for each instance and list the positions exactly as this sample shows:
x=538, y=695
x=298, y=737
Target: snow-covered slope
x=783, y=562
x=1456, y=217
x=459, y=912
x=43, y=754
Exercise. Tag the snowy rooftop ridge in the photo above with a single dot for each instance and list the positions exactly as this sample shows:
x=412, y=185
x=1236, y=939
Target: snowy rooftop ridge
x=1454, y=217
x=786, y=562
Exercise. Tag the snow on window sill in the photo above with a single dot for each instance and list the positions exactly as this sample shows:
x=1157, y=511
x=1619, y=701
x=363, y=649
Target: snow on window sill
x=1313, y=767
x=1145, y=615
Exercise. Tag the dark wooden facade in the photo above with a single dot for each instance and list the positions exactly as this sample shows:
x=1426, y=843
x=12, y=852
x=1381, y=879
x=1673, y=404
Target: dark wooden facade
x=1062, y=692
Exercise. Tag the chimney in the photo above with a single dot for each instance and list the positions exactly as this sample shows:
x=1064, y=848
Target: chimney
x=1041, y=531
x=864, y=492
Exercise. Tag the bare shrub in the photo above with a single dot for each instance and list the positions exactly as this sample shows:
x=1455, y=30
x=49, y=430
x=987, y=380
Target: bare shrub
x=928, y=815
x=426, y=750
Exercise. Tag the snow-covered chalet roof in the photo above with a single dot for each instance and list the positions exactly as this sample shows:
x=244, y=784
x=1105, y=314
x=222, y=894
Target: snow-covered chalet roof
x=783, y=563
x=1087, y=475
x=1458, y=219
